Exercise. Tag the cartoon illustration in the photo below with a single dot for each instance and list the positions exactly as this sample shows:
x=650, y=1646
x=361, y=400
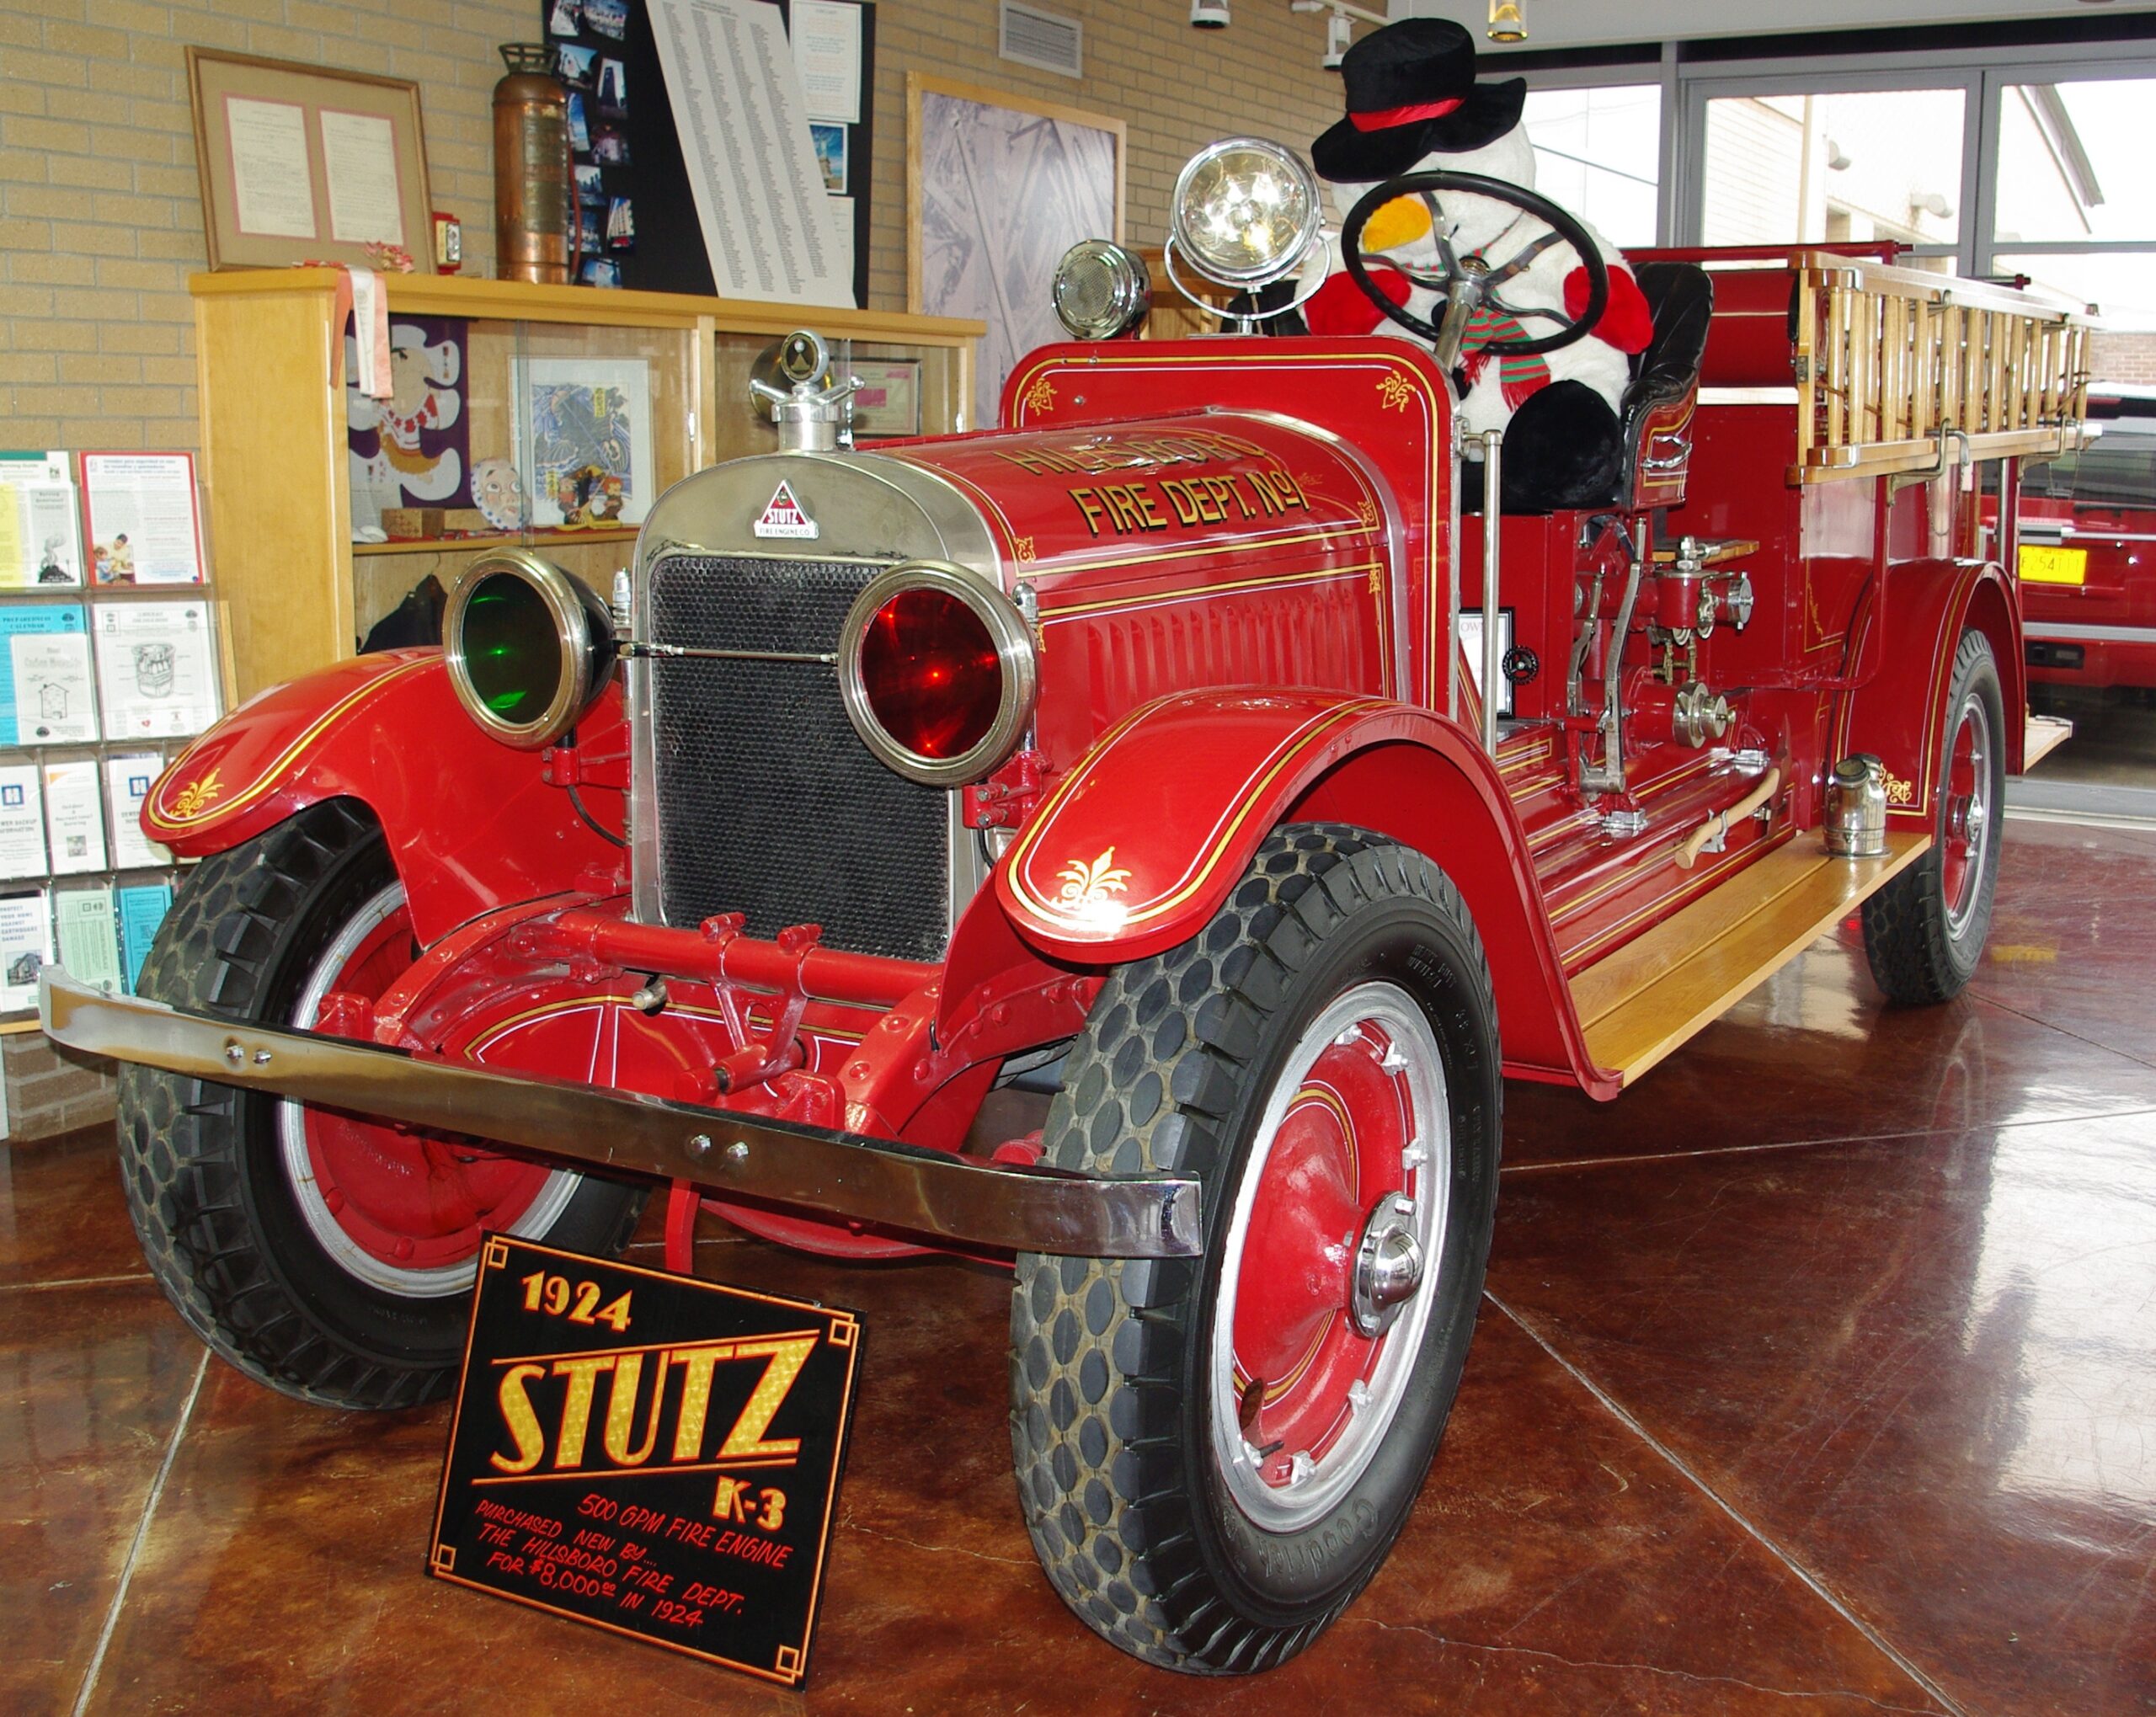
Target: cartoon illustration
x=419, y=431
x=153, y=669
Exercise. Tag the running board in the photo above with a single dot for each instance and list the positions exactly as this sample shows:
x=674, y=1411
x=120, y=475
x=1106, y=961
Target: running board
x=1656, y=992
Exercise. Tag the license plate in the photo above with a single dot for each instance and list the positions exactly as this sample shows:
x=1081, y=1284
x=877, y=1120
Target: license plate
x=2053, y=566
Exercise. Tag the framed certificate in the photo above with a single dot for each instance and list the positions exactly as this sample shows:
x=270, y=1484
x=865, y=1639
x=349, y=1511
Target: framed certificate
x=306, y=163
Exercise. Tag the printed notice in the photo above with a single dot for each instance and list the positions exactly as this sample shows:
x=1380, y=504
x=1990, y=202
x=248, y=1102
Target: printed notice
x=155, y=675
x=650, y=1453
x=144, y=526
x=272, y=193
x=89, y=934
x=127, y=784
x=39, y=541
x=21, y=822
x=142, y=910
x=826, y=36
x=26, y=948
x=44, y=675
x=74, y=817
x=736, y=95
x=359, y=161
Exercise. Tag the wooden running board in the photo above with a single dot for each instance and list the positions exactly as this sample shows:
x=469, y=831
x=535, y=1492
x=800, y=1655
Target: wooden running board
x=1654, y=993
x=2043, y=735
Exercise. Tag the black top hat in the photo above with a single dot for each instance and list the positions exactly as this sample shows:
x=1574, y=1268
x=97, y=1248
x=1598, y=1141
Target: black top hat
x=1411, y=89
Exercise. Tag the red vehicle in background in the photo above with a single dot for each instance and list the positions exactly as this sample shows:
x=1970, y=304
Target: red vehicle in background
x=2088, y=552
x=1144, y=737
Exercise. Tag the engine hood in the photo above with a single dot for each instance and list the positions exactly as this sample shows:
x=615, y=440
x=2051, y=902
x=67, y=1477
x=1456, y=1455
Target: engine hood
x=1041, y=504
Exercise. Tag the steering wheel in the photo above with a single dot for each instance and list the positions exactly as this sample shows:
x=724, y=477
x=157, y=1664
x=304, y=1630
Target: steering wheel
x=1470, y=277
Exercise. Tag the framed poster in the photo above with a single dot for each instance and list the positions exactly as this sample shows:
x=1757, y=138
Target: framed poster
x=304, y=163
x=998, y=188
x=584, y=439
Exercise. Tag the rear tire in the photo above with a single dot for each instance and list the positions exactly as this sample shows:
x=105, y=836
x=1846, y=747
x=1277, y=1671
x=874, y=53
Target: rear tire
x=295, y=1278
x=1215, y=1455
x=1925, y=932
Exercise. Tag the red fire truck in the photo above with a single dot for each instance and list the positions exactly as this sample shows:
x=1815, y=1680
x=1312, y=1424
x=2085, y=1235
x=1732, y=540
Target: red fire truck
x=1177, y=741
x=2088, y=554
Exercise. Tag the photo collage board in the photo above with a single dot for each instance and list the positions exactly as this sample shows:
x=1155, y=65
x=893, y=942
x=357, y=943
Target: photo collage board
x=634, y=199
x=109, y=666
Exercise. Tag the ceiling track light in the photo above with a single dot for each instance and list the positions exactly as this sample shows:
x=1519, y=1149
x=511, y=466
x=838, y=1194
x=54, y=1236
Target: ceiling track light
x=1339, y=28
x=1209, y=14
x=1508, y=21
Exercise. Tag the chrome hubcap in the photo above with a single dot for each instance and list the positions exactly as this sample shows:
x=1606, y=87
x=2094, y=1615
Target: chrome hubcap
x=1388, y=1265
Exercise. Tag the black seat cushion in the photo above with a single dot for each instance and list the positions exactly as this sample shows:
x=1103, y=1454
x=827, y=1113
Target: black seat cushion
x=1681, y=299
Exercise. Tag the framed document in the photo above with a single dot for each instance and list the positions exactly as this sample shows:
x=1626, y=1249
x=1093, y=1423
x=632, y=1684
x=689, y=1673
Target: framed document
x=306, y=163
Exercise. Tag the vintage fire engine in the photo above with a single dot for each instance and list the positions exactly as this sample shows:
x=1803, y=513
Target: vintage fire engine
x=2088, y=556
x=1177, y=739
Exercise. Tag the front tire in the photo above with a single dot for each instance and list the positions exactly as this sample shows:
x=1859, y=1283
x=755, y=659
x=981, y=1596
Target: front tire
x=1215, y=1455
x=327, y=1256
x=1925, y=932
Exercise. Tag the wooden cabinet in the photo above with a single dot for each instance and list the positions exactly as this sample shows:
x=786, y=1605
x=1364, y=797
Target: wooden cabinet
x=298, y=593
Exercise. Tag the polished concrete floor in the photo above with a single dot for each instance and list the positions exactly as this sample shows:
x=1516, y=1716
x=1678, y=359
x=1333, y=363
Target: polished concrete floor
x=1818, y=1374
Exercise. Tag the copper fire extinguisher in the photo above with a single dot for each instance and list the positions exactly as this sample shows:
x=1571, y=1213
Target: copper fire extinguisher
x=536, y=213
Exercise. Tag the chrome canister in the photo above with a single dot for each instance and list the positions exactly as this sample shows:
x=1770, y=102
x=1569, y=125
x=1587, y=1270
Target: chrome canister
x=1856, y=807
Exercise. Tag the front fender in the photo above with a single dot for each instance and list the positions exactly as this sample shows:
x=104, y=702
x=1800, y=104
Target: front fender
x=472, y=823
x=1896, y=714
x=1137, y=849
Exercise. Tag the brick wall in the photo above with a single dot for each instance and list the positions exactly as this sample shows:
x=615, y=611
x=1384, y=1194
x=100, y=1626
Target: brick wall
x=100, y=219
x=101, y=223
x=49, y=1092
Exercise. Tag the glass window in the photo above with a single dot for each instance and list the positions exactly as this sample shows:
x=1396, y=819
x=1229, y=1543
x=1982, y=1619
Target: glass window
x=1598, y=153
x=1859, y=165
x=2119, y=286
x=2073, y=162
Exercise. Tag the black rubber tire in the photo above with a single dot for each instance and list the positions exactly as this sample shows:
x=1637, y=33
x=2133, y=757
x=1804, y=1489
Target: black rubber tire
x=1109, y=1433
x=1915, y=957
x=204, y=1177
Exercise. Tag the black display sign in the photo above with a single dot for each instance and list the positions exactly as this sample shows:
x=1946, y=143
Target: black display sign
x=649, y=1453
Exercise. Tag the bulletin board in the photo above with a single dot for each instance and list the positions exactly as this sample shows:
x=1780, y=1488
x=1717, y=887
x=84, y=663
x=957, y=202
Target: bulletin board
x=632, y=152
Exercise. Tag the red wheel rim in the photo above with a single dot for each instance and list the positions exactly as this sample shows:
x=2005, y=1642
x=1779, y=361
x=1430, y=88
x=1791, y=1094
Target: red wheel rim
x=1965, y=813
x=401, y=1208
x=1306, y=1392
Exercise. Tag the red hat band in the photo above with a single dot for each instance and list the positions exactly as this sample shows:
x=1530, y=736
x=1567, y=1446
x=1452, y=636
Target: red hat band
x=1385, y=118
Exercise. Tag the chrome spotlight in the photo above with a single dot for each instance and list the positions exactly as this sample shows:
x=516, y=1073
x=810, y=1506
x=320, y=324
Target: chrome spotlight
x=1246, y=213
x=1101, y=289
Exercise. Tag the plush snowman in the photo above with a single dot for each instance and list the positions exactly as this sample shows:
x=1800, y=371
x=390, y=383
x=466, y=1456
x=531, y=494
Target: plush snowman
x=1413, y=106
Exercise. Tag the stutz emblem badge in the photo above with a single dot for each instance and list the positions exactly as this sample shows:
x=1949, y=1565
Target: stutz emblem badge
x=785, y=516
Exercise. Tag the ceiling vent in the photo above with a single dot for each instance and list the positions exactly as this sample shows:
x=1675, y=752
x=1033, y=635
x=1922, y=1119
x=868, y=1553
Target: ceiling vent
x=1045, y=39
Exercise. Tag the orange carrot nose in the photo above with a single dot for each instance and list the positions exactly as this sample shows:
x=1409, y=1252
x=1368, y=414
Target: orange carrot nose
x=1400, y=221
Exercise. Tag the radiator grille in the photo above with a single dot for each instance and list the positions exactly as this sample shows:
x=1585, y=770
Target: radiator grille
x=769, y=804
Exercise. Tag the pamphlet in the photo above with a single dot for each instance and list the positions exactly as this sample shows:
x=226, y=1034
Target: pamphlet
x=128, y=781
x=155, y=674
x=40, y=541
x=74, y=817
x=26, y=948
x=144, y=527
x=142, y=909
x=21, y=822
x=44, y=675
x=89, y=934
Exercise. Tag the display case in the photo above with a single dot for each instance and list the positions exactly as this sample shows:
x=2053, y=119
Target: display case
x=297, y=462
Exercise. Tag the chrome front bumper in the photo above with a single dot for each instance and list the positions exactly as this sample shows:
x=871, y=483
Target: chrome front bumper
x=956, y=1199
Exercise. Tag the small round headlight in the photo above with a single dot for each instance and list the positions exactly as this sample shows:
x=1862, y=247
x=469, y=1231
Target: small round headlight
x=1246, y=211
x=1102, y=290
x=936, y=671
x=530, y=649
